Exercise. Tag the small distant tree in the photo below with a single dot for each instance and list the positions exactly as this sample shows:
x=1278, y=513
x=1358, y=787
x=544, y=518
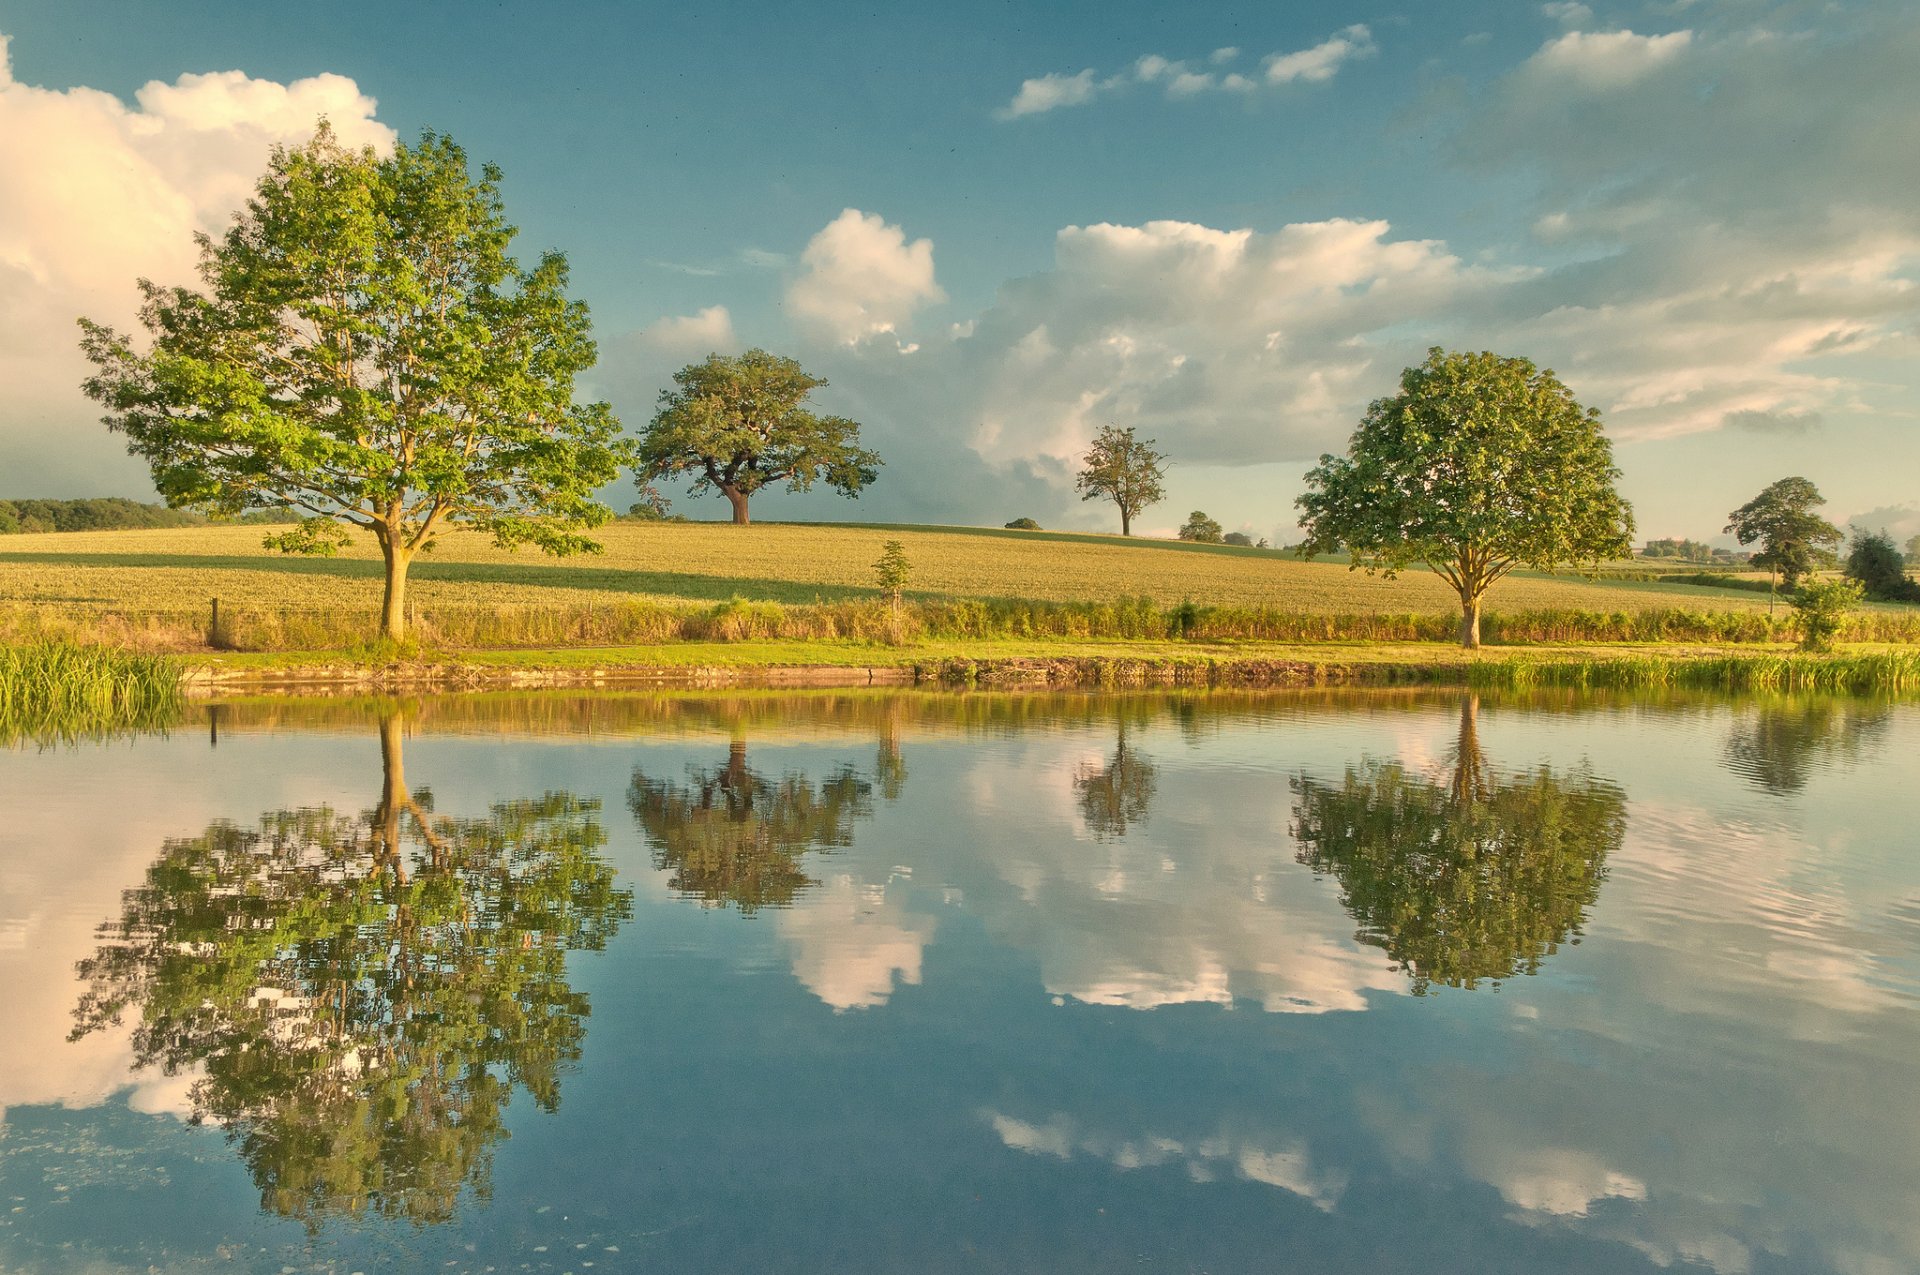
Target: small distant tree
x=1821, y=609
x=365, y=353
x=653, y=505
x=1023, y=524
x=893, y=571
x=1876, y=566
x=1913, y=551
x=1239, y=538
x=1791, y=535
x=1479, y=464
x=1125, y=470
x=1201, y=529
x=737, y=423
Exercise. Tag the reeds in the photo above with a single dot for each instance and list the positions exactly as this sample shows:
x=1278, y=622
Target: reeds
x=1894, y=671
x=54, y=691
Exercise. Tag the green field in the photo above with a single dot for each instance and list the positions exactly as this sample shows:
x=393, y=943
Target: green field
x=153, y=587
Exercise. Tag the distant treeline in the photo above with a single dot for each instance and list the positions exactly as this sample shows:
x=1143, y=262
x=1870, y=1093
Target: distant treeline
x=103, y=513
x=1690, y=551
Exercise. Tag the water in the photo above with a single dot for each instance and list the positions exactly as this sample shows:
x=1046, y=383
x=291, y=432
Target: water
x=843, y=982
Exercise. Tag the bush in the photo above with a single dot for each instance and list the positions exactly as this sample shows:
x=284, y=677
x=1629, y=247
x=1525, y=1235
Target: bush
x=1240, y=538
x=1201, y=529
x=1023, y=524
x=1821, y=611
x=1876, y=566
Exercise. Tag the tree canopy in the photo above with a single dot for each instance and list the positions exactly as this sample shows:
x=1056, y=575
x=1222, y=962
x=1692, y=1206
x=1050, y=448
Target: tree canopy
x=359, y=997
x=365, y=353
x=1119, y=794
x=736, y=423
x=1791, y=535
x=1203, y=530
x=1880, y=570
x=1477, y=878
x=1128, y=471
x=1480, y=464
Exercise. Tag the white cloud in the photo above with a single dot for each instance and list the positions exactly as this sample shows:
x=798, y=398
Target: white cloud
x=1314, y=66
x=1605, y=59
x=861, y=277
x=1047, y=92
x=850, y=943
x=1322, y=61
x=1568, y=13
x=94, y=194
x=708, y=331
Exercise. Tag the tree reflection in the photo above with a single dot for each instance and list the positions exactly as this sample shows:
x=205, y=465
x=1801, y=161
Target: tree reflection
x=1116, y=796
x=361, y=996
x=1778, y=746
x=1477, y=878
x=733, y=836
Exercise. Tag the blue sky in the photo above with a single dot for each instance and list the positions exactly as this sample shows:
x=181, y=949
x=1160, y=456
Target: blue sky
x=1228, y=224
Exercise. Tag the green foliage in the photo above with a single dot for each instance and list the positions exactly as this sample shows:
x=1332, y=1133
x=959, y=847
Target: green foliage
x=366, y=352
x=653, y=505
x=1874, y=564
x=53, y=691
x=1117, y=795
x=1480, y=464
x=1913, y=551
x=731, y=836
x=1128, y=471
x=1820, y=610
x=1023, y=524
x=1239, y=538
x=892, y=571
x=106, y=513
x=1478, y=878
x=1791, y=535
x=1696, y=551
x=738, y=423
x=1203, y=530
x=357, y=998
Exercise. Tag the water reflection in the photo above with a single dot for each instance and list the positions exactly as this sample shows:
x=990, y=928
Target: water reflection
x=1119, y=794
x=1778, y=745
x=1477, y=878
x=730, y=835
x=359, y=997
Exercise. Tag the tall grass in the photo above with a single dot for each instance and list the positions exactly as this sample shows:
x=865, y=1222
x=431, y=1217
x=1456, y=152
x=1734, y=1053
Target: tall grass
x=64, y=691
x=645, y=622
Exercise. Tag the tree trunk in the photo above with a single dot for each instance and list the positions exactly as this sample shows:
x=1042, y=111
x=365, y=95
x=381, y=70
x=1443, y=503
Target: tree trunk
x=393, y=605
x=1469, y=622
x=393, y=795
x=1126, y=522
x=738, y=499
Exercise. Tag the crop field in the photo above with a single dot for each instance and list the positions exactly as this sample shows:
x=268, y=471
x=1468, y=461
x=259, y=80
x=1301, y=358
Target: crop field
x=714, y=581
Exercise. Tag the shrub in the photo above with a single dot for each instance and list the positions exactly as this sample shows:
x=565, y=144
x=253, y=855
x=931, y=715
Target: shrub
x=1023, y=524
x=1240, y=538
x=1821, y=611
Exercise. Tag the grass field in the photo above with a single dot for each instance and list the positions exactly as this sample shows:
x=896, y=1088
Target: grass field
x=153, y=587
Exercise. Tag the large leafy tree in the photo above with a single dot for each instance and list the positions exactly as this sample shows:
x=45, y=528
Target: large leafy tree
x=364, y=352
x=1119, y=794
x=1480, y=464
x=359, y=998
x=1791, y=535
x=1128, y=471
x=731, y=835
x=736, y=423
x=1478, y=877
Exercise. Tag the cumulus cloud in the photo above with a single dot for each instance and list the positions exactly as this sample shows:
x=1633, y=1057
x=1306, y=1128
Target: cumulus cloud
x=1568, y=13
x=94, y=194
x=861, y=277
x=707, y=332
x=1181, y=79
x=1606, y=59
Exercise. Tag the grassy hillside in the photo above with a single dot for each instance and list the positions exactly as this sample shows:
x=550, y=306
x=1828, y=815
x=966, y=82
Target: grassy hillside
x=167, y=570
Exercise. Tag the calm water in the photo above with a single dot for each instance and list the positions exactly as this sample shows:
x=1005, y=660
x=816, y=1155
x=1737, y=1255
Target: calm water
x=1328, y=983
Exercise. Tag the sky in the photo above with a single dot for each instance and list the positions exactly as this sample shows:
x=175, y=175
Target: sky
x=997, y=228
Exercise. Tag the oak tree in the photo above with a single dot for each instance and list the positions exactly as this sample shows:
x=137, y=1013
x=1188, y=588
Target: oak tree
x=364, y=352
x=737, y=423
x=1125, y=470
x=1792, y=536
x=1480, y=464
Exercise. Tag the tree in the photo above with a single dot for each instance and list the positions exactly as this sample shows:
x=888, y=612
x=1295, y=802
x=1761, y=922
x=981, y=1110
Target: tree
x=893, y=571
x=1125, y=470
x=357, y=999
x=1480, y=464
x=1476, y=878
x=1023, y=524
x=367, y=354
x=1202, y=529
x=1791, y=535
x=1240, y=538
x=1877, y=566
x=1119, y=794
x=1913, y=551
x=738, y=423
